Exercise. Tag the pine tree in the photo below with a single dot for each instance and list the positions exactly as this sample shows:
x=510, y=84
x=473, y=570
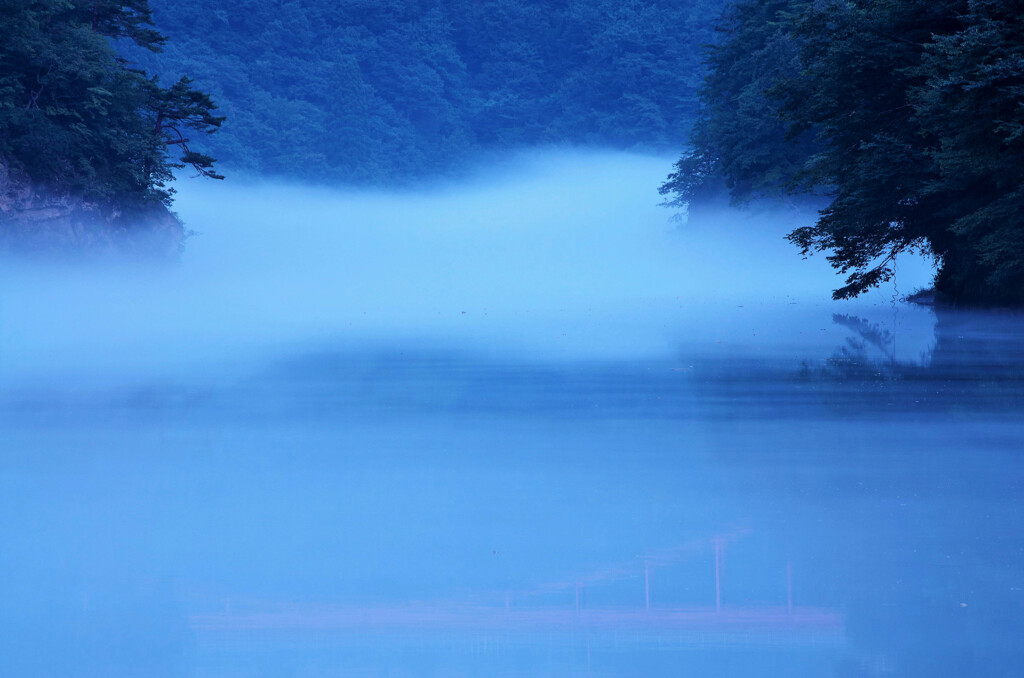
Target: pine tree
x=75, y=118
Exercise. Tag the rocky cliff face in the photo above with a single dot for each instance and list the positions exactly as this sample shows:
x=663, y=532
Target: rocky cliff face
x=36, y=220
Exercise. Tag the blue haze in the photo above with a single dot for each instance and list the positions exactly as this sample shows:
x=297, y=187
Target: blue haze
x=504, y=427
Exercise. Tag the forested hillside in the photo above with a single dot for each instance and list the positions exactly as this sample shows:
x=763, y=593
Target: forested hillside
x=88, y=143
x=907, y=114
x=384, y=91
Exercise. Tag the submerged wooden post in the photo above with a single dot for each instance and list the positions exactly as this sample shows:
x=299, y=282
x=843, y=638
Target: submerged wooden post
x=647, y=584
x=789, y=587
x=718, y=573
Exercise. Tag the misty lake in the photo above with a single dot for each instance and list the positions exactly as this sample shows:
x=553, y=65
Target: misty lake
x=523, y=425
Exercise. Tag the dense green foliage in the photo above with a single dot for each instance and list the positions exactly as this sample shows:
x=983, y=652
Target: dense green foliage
x=75, y=118
x=738, y=138
x=384, y=91
x=908, y=114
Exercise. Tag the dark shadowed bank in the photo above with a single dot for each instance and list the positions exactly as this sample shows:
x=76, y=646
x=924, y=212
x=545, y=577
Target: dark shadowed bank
x=89, y=143
x=35, y=219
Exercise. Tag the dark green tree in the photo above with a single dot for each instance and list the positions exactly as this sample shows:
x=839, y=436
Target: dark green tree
x=130, y=19
x=388, y=91
x=972, y=104
x=175, y=112
x=916, y=115
x=76, y=118
x=738, y=138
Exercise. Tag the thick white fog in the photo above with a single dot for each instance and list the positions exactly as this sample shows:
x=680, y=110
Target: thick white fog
x=560, y=255
x=524, y=425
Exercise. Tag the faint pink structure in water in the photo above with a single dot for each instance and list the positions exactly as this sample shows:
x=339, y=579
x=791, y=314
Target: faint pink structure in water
x=736, y=624
x=647, y=584
x=719, y=564
x=789, y=587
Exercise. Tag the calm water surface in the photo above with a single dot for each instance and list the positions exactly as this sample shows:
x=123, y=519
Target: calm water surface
x=518, y=428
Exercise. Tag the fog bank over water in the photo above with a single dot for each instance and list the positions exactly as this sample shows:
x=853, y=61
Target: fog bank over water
x=520, y=426
x=555, y=255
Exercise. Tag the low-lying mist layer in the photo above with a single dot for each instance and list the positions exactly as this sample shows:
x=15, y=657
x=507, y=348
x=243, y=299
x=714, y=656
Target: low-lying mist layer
x=560, y=255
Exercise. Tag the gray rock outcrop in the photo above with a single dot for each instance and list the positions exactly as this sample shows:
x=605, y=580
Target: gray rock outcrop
x=36, y=220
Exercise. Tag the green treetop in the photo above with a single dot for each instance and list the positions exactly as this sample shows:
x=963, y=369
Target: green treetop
x=75, y=118
x=915, y=114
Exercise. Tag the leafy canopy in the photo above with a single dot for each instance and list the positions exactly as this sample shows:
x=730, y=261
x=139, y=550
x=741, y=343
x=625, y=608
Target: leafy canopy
x=75, y=117
x=389, y=91
x=907, y=114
